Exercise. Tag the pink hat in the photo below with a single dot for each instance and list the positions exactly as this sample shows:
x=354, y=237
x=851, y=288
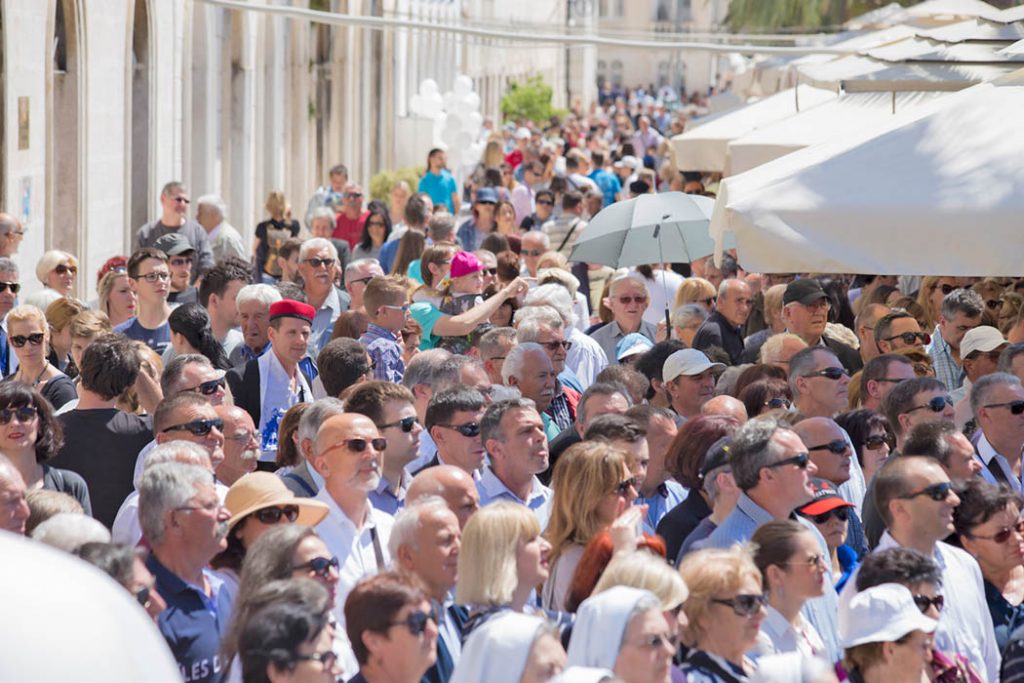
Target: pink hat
x=465, y=263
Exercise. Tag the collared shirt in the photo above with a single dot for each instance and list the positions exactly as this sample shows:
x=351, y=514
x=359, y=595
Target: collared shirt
x=779, y=636
x=428, y=449
x=384, y=349
x=965, y=626
x=276, y=397
x=323, y=323
x=947, y=370
x=586, y=358
x=492, y=489
x=243, y=353
x=991, y=460
x=385, y=499
x=193, y=622
x=361, y=552
x=609, y=335
x=665, y=497
x=560, y=411
x=717, y=331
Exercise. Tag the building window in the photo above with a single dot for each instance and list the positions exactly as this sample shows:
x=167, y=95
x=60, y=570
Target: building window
x=617, y=73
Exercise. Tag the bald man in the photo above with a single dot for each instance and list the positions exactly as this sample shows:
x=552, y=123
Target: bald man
x=451, y=483
x=347, y=453
x=13, y=508
x=241, y=446
x=727, y=406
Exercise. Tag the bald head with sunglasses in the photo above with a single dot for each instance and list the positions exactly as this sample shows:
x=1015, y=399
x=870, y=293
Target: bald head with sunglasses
x=348, y=453
x=827, y=446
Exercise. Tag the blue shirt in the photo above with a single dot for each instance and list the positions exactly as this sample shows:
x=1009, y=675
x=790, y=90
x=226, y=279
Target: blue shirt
x=386, y=256
x=666, y=497
x=323, y=322
x=384, y=499
x=157, y=339
x=492, y=489
x=609, y=184
x=192, y=623
x=439, y=187
x=383, y=347
x=947, y=370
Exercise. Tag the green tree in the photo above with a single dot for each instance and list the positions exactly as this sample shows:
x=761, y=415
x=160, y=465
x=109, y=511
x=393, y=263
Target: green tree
x=747, y=15
x=530, y=100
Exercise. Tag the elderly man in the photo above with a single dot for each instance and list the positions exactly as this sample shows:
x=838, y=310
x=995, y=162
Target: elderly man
x=980, y=350
x=13, y=508
x=779, y=348
x=11, y=235
x=185, y=524
x=961, y=311
x=529, y=369
x=513, y=434
x=805, y=312
x=584, y=357
x=425, y=375
x=689, y=380
x=347, y=454
x=174, y=218
x=391, y=408
x=9, y=288
x=322, y=225
x=913, y=401
x=899, y=330
x=452, y=484
x=818, y=382
x=317, y=261
x=725, y=406
x=453, y=422
x=358, y=274
x=225, y=241
x=724, y=327
x=534, y=245
x=542, y=325
x=241, y=444
x=880, y=375
x=253, y=304
x=627, y=299
x=218, y=294
x=916, y=501
x=494, y=347
x=864, y=327
x=352, y=217
x=997, y=401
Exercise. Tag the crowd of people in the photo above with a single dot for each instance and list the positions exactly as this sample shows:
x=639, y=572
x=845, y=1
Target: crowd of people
x=417, y=442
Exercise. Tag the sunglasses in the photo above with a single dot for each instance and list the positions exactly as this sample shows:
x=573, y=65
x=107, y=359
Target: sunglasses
x=993, y=304
x=911, y=337
x=273, y=515
x=404, y=308
x=946, y=289
x=353, y=195
x=1003, y=535
x=379, y=444
x=1015, y=407
x=875, y=441
x=24, y=414
x=627, y=300
x=13, y=286
x=838, y=447
x=778, y=403
x=533, y=252
x=817, y=560
x=19, y=340
x=623, y=487
x=142, y=596
x=832, y=373
x=208, y=388
x=406, y=423
x=744, y=605
x=469, y=429
x=321, y=566
x=841, y=513
x=937, y=404
x=490, y=271
x=800, y=460
x=937, y=492
x=545, y=202
x=152, y=277
x=325, y=659
x=554, y=345
x=197, y=427
x=64, y=270
x=375, y=224
x=923, y=602
x=317, y=262
x=363, y=280
x=416, y=622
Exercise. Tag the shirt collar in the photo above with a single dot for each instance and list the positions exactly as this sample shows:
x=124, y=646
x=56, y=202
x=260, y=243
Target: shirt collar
x=384, y=487
x=751, y=509
x=494, y=486
x=378, y=331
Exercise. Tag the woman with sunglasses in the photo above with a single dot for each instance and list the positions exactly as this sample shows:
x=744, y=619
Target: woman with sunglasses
x=830, y=513
x=793, y=570
x=871, y=437
x=57, y=271
x=696, y=290
x=933, y=290
x=116, y=297
x=376, y=231
x=258, y=502
x=764, y=395
x=725, y=609
x=29, y=336
x=989, y=527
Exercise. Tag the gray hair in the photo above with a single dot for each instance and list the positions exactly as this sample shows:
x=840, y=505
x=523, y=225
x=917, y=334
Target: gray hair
x=1006, y=358
x=8, y=265
x=752, y=449
x=428, y=368
x=164, y=488
x=689, y=315
x=555, y=296
x=492, y=341
x=8, y=223
x=441, y=228
x=212, y=202
x=409, y=521
x=513, y=365
x=321, y=213
x=530, y=320
x=68, y=531
x=359, y=263
x=7, y=469
x=772, y=347
x=965, y=301
x=265, y=294
x=315, y=243
x=724, y=285
x=544, y=239
x=561, y=277
x=601, y=389
x=185, y=452
x=490, y=423
x=981, y=391
x=170, y=378
x=802, y=364
x=315, y=415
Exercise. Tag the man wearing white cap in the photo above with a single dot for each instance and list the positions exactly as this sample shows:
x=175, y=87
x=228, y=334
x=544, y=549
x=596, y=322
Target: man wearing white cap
x=689, y=379
x=979, y=352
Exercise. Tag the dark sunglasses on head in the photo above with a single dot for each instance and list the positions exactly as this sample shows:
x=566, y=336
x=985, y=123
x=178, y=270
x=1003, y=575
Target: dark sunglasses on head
x=911, y=337
x=319, y=565
x=937, y=492
x=800, y=460
x=744, y=605
x=24, y=414
x=1003, y=535
x=317, y=262
x=208, y=388
x=1015, y=407
x=273, y=515
x=936, y=405
x=197, y=427
x=406, y=423
x=63, y=270
x=875, y=441
x=832, y=373
x=923, y=602
x=623, y=487
x=13, y=286
x=19, y=340
x=775, y=403
x=838, y=447
x=469, y=429
x=416, y=622
x=841, y=513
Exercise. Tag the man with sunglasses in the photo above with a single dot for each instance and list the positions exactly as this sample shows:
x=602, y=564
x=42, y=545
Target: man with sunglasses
x=915, y=401
x=453, y=422
x=174, y=219
x=627, y=299
x=961, y=311
x=916, y=502
x=899, y=330
x=349, y=225
x=150, y=277
x=543, y=211
x=9, y=288
x=980, y=350
x=318, y=263
x=189, y=417
x=997, y=401
x=805, y=311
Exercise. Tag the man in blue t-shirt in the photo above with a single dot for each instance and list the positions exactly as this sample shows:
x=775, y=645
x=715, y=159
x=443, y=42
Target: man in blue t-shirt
x=439, y=183
x=151, y=280
x=607, y=181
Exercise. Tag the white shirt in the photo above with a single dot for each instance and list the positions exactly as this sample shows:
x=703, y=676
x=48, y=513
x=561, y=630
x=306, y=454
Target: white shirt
x=778, y=636
x=986, y=453
x=662, y=292
x=126, y=529
x=354, y=548
x=853, y=489
x=276, y=397
x=586, y=358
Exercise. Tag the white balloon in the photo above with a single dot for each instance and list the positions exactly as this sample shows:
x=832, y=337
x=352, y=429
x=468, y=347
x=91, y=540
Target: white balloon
x=451, y=101
x=463, y=85
x=428, y=87
x=473, y=100
x=463, y=140
x=453, y=121
x=474, y=122
x=416, y=104
x=450, y=137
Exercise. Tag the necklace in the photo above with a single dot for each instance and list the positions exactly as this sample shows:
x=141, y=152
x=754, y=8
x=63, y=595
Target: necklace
x=38, y=377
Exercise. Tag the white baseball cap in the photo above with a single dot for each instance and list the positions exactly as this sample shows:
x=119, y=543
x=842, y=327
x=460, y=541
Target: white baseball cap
x=982, y=338
x=881, y=614
x=687, y=362
x=523, y=133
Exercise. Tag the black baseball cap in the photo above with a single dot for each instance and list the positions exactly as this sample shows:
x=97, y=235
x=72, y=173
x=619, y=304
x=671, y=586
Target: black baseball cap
x=805, y=292
x=717, y=456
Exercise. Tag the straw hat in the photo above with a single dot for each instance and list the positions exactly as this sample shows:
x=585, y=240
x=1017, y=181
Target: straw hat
x=258, y=490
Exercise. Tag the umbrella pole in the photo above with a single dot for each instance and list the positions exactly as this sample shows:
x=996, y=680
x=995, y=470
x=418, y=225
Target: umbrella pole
x=661, y=262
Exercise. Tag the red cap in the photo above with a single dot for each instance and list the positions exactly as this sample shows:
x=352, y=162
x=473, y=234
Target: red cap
x=288, y=308
x=826, y=498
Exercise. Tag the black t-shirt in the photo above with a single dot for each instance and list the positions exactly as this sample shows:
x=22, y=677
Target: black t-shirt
x=102, y=446
x=272, y=234
x=66, y=481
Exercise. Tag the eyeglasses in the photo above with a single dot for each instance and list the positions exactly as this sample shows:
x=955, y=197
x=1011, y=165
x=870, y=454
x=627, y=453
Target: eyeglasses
x=623, y=487
x=321, y=566
x=208, y=388
x=19, y=340
x=936, y=405
x=744, y=605
x=923, y=602
x=875, y=441
x=326, y=659
x=774, y=403
x=363, y=280
x=64, y=270
x=1015, y=407
x=911, y=337
x=893, y=380
x=993, y=304
x=841, y=513
x=800, y=460
x=812, y=561
x=375, y=224
x=197, y=427
x=946, y=289
x=242, y=437
x=379, y=444
x=182, y=200
x=993, y=356
x=404, y=308
x=24, y=414
x=533, y=252
x=469, y=429
x=838, y=447
x=13, y=286
x=554, y=345
x=406, y=423
x=832, y=373
x=627, y=300
x=656, y=641
x=416, y=622
x=152, y=277
x=545, y=202
x=937, y=492
x=317, y=262
x=1003, y=535
x=273, y=515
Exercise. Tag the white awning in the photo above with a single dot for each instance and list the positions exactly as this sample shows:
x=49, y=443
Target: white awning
x=978, y=30
x=865, y=74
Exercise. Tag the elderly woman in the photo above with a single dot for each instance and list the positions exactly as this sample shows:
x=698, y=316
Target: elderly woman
x=511, y=648
x=696, y=290
x=623, y=629
x=725, y=609
x=989, y=527
x=117, y=298
x=59, y=315
x=29, y=335
x=57, y=271
x=686, y=320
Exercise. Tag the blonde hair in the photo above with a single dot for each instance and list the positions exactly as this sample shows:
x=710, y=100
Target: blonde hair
x=381, y=291
x=44, y=504
x=552, y=259
x=488, y=573
x=106, y=287
x=276, y=204
x=924, y=293
x=583, y=476
x=493, y=155
x=28, y=313
x=710, y=574
x=62, y=311
x=90, y=324
x=693, y=290
x=773, y=300
x=51, y=260
x=644, y=569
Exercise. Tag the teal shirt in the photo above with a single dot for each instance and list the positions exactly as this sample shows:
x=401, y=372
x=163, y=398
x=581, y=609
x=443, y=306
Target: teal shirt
x=440, y=188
